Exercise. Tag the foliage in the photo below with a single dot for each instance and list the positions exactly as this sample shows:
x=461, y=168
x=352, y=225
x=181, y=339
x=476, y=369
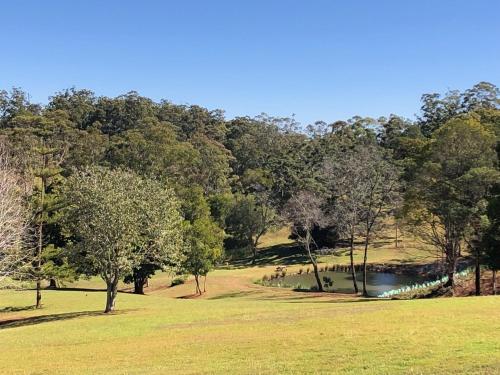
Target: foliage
x=118, y=222
x=203, y=248
x=452, y=186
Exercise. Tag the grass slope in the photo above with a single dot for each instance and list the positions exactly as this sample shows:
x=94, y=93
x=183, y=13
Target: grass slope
x=248, y=334
x=239, y=327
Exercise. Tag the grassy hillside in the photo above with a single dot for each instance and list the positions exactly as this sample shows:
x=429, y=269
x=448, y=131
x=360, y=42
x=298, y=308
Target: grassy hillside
x=247, y=334
x=239, y=327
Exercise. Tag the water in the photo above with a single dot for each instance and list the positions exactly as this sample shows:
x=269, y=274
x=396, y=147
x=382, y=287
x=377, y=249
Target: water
x=377, y=282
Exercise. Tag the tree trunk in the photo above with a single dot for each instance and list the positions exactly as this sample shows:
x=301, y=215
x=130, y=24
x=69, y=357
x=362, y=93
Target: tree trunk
x=38, y=294
x=254, y=254
x=204, y=283
x=365, y=258
x=38, y=267
x=397, y=235
x=478, y=274
x=254, y=247
x=139, y=284
x=198, y=290
x=494, y=282
x=111, y=291
x=353, y=270
x=316, y=275
x=53, y=283
x=313, y=261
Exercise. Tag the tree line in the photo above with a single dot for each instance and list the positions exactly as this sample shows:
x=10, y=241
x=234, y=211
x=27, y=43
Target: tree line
x=122, y=187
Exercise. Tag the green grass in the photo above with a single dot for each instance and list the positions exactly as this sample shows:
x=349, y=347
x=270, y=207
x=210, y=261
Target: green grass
x=248, y=335
x=239, y=327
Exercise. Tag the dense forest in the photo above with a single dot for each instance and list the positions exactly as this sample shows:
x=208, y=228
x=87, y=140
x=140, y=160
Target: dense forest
x=122, y=187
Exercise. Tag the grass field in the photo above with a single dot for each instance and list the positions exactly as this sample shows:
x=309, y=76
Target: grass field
x=239, y=327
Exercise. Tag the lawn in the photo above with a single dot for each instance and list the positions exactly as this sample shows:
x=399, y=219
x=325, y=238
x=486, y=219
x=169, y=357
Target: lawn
x=239, y=327
x=247, y=334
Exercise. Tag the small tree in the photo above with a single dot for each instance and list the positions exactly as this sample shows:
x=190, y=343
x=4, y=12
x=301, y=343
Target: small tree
x=113, y=230
x=203, y=248
x=304, y=211
x=250, y=218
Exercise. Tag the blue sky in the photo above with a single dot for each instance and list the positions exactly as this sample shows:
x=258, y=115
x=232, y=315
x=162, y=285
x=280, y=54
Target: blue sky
x=319, y=60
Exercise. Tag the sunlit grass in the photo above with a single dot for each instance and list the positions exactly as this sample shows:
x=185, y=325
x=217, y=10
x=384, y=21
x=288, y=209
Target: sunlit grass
x=247, y=335
x=239, y=327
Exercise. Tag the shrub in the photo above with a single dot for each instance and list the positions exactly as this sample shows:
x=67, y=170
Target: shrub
x=327, y=282
x=178, y=281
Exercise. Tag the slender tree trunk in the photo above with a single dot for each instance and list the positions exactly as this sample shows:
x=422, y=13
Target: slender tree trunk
x=254, y=247
x=478, y=274
x=38, y=267
x=204, y=283
x=254, y=254
x=353, y=270
x=397, y=245
x=494, y=282
x=313, y=261
x=451, y=265
x=111, y=291
x=198, y=290
x=365, y=258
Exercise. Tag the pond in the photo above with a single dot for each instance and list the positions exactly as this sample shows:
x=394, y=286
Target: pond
x=377, y=282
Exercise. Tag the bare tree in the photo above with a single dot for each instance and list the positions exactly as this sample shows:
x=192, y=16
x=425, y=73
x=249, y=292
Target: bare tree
x=344, y=176
x=304, y=211
x=14, y=223
x=363, y=186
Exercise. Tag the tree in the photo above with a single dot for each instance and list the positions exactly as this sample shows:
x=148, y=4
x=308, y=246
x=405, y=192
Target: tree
x=344, y=176
x=112, y=230
x=363, y=185
x=304, y=211
x=437, y=110
x=15, y=253
x=249, y=219
x=41, y=142
x=203, y=248
x=160, y=231
x=491, y=237
x=452, y=186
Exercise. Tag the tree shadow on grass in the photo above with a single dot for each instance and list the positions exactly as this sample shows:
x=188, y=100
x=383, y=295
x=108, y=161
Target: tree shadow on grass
x=17, y=308
x=236, y=294
x=280, y=254
x=33, y=320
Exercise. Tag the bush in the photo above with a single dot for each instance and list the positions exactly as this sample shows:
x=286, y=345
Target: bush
x=178, y=281
x=327, y=282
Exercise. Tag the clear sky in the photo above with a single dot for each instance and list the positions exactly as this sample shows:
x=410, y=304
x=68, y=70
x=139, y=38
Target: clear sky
x=320, y=60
